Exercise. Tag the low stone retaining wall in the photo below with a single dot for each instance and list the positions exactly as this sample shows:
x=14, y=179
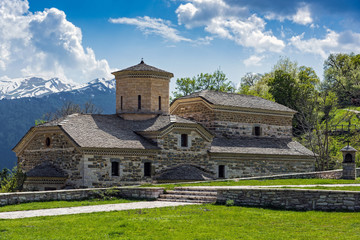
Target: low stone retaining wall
x=79, y=194
x=331, y=174
x=294, y=199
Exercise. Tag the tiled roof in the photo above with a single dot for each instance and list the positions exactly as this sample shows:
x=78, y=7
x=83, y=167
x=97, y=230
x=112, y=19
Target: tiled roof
x=143, y=67
x=238, y=100
x=46, y=169
x=111, y=131
x=252, y=145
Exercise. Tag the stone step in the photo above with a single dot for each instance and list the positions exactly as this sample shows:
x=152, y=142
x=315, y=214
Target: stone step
x=184, y=200
x=190, y=197
x=199, y=193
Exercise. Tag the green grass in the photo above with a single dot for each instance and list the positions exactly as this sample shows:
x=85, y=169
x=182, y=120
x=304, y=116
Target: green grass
x=188, y=222
x=348, y=188
x=260, y=182
x=59, y=204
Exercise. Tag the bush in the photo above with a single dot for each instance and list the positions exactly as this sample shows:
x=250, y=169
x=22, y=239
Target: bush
x=229, y=203
x=14, y=181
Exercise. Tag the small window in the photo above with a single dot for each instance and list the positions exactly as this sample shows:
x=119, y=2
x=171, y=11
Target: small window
x=121, y=102
x=147, y=169
x=139, y=102
x=184, y=140
x=348, y=158
x=221, y=171
x=114, y=169
x=257, y=131
x=47, y=142
x=159, y=102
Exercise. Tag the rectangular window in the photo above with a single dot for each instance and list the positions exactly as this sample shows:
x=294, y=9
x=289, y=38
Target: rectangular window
x=114, y=169
x=121, y=102
x=139, y=102
x=184, y=140
x=159, y=102
x=221, y=171
x=257, y=131
x=147, y=169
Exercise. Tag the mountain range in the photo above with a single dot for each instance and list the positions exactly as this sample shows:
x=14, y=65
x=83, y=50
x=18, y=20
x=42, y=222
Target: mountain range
x=22, y=101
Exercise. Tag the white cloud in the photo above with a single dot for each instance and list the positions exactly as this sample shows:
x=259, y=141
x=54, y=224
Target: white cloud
x=228, y=22
x=253, y=61
x=150, y=25
x=302, y=16
x=44, y=44
x=333, y=42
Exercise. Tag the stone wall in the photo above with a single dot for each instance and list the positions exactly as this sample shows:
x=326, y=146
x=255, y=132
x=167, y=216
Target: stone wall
x=235, y=123
x=61, y=153
x=236, y=129
x=97, y=169
x=150, y=88
x=79, y=194
x=331, y=174
x=172, y=154
x=257, y=165
x=294, y=199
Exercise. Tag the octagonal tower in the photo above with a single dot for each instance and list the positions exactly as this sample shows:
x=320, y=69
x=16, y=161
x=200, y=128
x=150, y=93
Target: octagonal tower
x=142, y=92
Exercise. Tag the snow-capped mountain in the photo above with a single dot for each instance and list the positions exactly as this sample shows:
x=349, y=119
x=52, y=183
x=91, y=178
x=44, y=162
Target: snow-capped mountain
x=39, y=87
x=32, y=87
x=100, y=84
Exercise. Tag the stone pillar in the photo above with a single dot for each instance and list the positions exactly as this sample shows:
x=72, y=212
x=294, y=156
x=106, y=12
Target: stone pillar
x=349, y=165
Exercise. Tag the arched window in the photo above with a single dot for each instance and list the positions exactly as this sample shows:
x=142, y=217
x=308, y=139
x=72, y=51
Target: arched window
x=159, y=102
x=139, y=102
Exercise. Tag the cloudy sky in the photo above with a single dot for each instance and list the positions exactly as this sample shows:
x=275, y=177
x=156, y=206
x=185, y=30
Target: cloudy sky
x=83, y=40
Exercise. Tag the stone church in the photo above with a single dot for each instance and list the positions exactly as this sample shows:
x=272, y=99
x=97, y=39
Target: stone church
x=205, y=135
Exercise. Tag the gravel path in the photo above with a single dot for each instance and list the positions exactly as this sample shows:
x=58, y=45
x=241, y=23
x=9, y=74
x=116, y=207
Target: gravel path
x=89, y=209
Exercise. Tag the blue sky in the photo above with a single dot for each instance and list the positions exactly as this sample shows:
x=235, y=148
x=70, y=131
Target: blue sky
x=83, y=40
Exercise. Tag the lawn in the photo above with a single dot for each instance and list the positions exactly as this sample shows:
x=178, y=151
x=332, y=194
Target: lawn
x=59, y=204
x=347, y=188
x=259, y=182
x=188, y=222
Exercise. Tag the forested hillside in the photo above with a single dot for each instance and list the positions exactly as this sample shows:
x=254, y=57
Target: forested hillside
x=18, y=115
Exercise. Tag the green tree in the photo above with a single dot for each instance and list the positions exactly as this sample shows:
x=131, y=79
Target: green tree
x=14, y=181
x=317, y=138
x=342, y=75
x=216, y=81
x=295, y=87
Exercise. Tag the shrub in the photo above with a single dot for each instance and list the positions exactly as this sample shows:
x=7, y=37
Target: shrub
x=14, y=181
x=229, y=203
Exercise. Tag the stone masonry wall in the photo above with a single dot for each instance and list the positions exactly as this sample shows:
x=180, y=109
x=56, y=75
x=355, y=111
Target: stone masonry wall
x=295, y=199
x=262, y=166
x=172, y=154
x=235, y=129
x=97, y=170
x=78, y=194
x=149, y=88
x=198, y=112
x=60, y=153
x=235, y=124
